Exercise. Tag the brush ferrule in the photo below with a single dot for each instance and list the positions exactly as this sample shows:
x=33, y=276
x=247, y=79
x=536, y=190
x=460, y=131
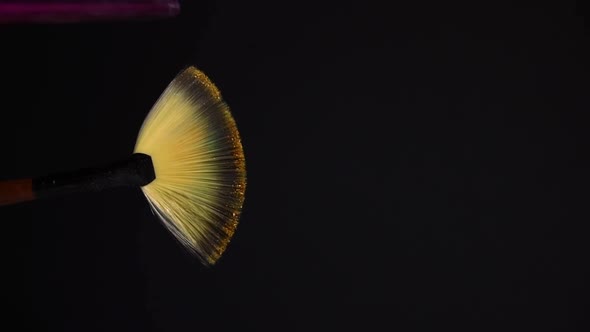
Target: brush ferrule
x=137, y=170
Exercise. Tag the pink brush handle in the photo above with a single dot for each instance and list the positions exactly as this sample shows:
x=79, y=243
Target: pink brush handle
x=62, y=12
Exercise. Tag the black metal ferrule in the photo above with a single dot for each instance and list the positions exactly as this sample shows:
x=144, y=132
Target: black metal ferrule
x=137, y=170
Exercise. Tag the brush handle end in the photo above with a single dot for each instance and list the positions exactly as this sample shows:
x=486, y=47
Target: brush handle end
x=16, y=191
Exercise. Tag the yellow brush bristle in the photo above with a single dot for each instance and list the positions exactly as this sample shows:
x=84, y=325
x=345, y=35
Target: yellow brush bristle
x=199, y=164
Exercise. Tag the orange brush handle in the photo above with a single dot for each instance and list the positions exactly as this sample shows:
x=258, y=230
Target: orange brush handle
x=16, y=191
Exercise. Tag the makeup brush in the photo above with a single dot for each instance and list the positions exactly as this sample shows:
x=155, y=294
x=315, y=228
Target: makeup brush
x=77, y=11
x=188, y=161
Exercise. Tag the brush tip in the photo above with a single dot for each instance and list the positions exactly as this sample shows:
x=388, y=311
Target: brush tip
x=199, y=164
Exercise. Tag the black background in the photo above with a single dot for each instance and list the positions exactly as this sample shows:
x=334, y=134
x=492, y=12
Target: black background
x=410, y=167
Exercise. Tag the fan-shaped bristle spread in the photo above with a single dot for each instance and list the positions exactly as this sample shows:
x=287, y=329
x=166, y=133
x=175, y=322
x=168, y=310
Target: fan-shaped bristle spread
x=199, y=164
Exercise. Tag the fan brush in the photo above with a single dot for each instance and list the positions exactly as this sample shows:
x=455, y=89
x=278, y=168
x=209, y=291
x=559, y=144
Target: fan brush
x=188, y=161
